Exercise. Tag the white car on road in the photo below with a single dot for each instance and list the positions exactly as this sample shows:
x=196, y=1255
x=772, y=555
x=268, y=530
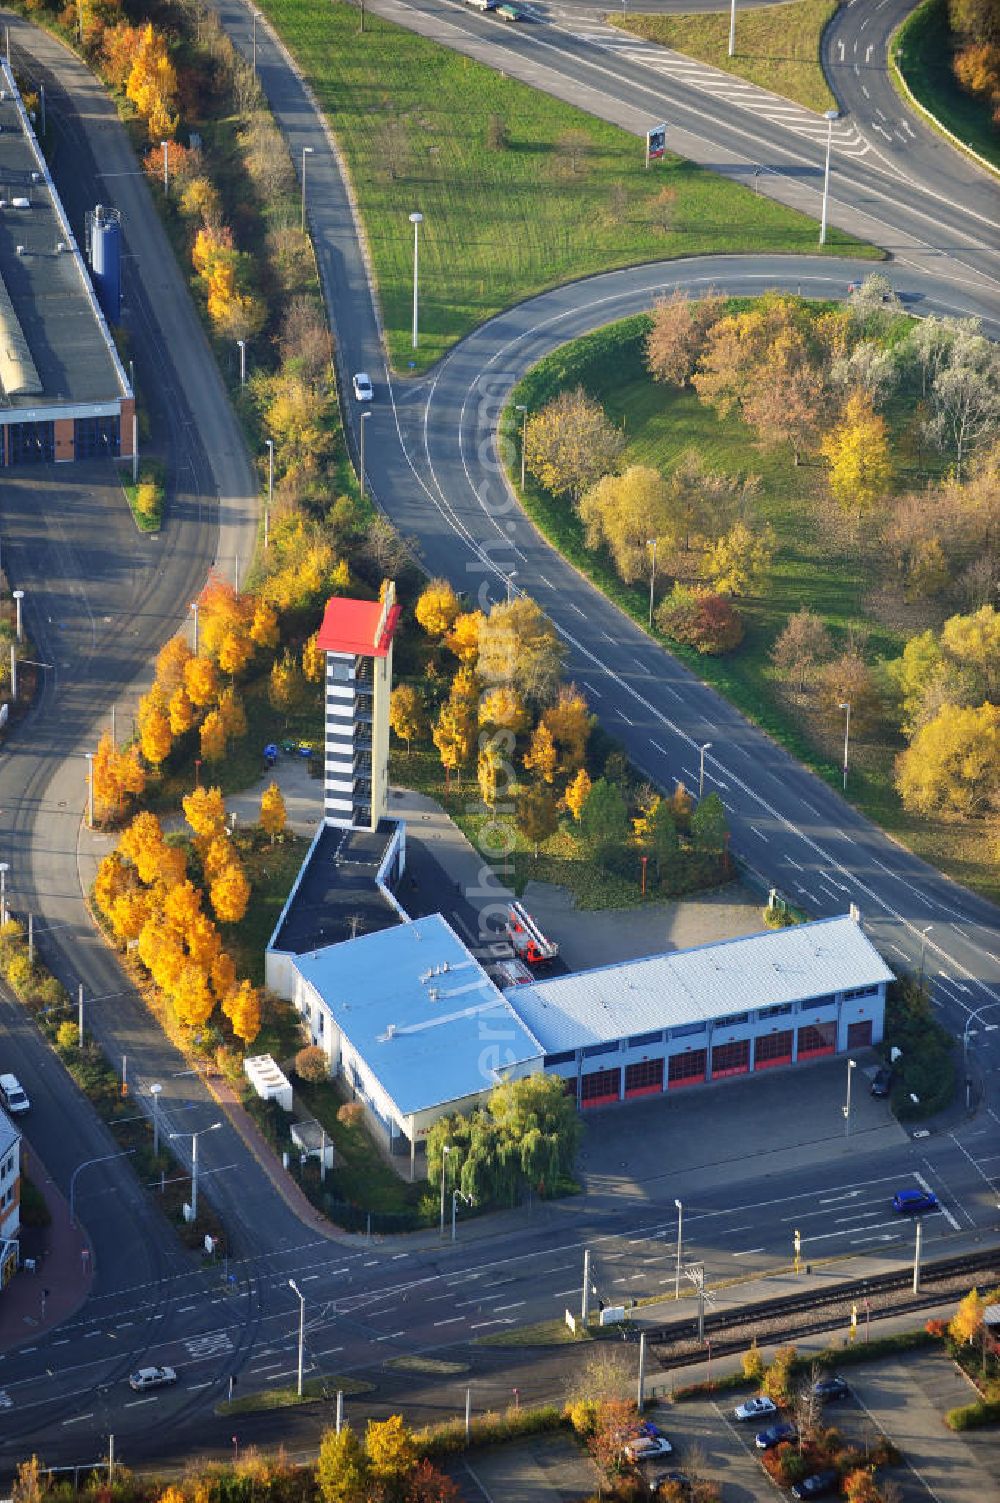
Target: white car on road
x=152, y=1377
x=363, y=389
x=12, y=1094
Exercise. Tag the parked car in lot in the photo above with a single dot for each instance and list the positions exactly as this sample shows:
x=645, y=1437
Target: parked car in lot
x=831, y=1388
x=152, y=1377
x=907, y=1202
x=363, y=387
x=818, y=1485
x=755, y=1408
x=882, y=1082
x=646, y=1447
x=774, y=1435
x=680, y=1480
x=12, y=1095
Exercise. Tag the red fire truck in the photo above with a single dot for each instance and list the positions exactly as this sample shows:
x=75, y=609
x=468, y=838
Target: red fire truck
x=530, y=944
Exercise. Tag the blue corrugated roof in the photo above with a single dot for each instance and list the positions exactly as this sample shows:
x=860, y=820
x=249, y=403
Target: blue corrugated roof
x=421, y=1011
x=688, y=986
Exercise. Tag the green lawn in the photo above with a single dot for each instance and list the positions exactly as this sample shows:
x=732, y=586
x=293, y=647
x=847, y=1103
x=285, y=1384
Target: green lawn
x=361, y=1176
x=815, y=566
x=777, y=46
x=922, y=53
x=508, y=210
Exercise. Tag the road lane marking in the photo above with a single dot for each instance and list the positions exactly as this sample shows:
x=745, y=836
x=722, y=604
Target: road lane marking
x=134, y=1403
x=452, y=1320
x=78, y=1419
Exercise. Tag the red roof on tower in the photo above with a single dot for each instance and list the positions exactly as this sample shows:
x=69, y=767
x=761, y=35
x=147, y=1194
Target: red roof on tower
x=359, y=626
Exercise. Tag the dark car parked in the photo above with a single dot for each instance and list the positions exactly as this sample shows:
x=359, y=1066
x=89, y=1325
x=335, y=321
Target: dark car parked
x=818, y=1485
x=774, y=1435
x=882, y=1082
x=831, y=1388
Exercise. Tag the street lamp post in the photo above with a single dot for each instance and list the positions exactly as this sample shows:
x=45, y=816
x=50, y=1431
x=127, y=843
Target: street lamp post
x=444, y=1160
x=923, y=952
x=166, y=165
x=651, y=543
x=306, y=152
x=971, y=1033
x=302, y=1330
x=255, y=41
x=243, y=361
x=846, y=707
x=155, y=1091
x=90, y=789
x=194, y=607
x=522, y=409
x=831, y=116
x=194, y=1136
x=270, y=490
x=701, y=769
x=362, y=421
x=851, y=1067
x=416, y=219
x=510, y=585
x=680, y=1236
x=18, y=597
x=732, y=28
x=456, y=1196
x=87, y=1163
x=4, y=869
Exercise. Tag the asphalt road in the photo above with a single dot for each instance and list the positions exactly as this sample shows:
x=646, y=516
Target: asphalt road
x=431, y=463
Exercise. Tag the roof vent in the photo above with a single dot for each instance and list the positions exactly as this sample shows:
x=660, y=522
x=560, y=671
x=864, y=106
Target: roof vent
x=390, y=1032
x=20, y=250
x=3, y=93
x=433, y=993
x=60, y=246
x=36, y=177
x=21, y=203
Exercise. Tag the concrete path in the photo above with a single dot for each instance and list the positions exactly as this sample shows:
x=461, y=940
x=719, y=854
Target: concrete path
x=40, y=1298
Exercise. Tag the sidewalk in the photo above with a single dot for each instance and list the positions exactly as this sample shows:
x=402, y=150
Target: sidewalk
x=36, y=1302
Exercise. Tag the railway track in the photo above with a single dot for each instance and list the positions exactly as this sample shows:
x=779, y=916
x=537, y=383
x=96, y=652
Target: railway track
x=676, y=1343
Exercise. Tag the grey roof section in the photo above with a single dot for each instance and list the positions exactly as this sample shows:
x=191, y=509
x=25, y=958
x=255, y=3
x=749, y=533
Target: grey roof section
x=337, y=896
x=688, y=986
x=9, y=1134
x=66, y=338
x=422, y=1013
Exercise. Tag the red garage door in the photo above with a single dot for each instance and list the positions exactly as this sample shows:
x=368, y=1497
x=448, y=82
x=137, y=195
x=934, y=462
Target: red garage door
x=817, y=1039
x=859, y=1035
x=600, y=1087
x=686, y=1069
x=775, y=1049
x=731, y=1059
x=645, y=1078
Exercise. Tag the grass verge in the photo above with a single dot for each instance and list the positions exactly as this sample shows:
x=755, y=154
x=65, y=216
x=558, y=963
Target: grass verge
x=434, y=1365
x=313, y=1389
x=777, y=46
x=145, y=496
x=519, y=191
x=544, y=1333
x=818, y=565
x=922, y=55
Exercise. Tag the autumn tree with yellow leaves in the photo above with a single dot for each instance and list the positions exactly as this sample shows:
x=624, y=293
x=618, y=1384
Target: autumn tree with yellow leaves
x=152, y=83
x=273, y=815
x=118, y=775
x=407, y=714
x=577, y=793
x=858, y=452
x=437, y=608
x=230, y=893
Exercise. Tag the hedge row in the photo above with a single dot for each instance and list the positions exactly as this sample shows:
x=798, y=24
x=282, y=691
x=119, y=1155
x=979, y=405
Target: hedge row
x=971, y=1416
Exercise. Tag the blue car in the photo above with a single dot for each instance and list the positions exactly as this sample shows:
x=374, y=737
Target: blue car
x=908, y=1202
x=775, y=1435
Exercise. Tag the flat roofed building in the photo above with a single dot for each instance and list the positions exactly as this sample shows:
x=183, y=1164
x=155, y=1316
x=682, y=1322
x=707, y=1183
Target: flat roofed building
x=656, y=1024
x=10, y=1198
x=410, y=1021
x=63, y=391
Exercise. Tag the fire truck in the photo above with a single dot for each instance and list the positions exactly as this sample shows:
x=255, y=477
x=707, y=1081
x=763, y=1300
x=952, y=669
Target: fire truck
x=530, y=944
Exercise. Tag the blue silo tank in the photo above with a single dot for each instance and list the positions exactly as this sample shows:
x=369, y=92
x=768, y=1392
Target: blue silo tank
x=106, y=261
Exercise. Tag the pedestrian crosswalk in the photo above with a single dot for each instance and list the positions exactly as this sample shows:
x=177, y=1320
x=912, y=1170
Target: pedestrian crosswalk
x=848, y=139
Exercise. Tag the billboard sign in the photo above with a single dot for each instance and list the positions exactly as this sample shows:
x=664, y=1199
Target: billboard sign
x=656, y=143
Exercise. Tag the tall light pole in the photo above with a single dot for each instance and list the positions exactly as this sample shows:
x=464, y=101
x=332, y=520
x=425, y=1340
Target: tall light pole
x=104, y=1159
x=923, y=952
x=522, y=409
x=194, y=607
x=194, y=1136
x=166, y=165
x=243, y=361
x=701, y=769
x=416, y=219
x=362, y=421
x=155, y=1091
x=456, y=1196
x=306, y=152
x=971, y=1033
x=4, y=869
x=851, y=1067
x=302, y=1330
x=18, y=597
x=846, y=707
x=732, y=28
x=270, y=490
x=680, y=1238
x=444, y=1160
x=255, y=14
x=831, y=116
x=510, y=585
x=651, y=543
x=90, y=789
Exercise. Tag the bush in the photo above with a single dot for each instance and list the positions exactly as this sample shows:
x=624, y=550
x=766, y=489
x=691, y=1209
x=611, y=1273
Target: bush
x=67, y=1037
x=19, y=973
x=971, y=1416
x=701, y=619
x=34, y=1210
x=448, y=1439
x=777, y=916
x=351, y=1114
x=312, y=1065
